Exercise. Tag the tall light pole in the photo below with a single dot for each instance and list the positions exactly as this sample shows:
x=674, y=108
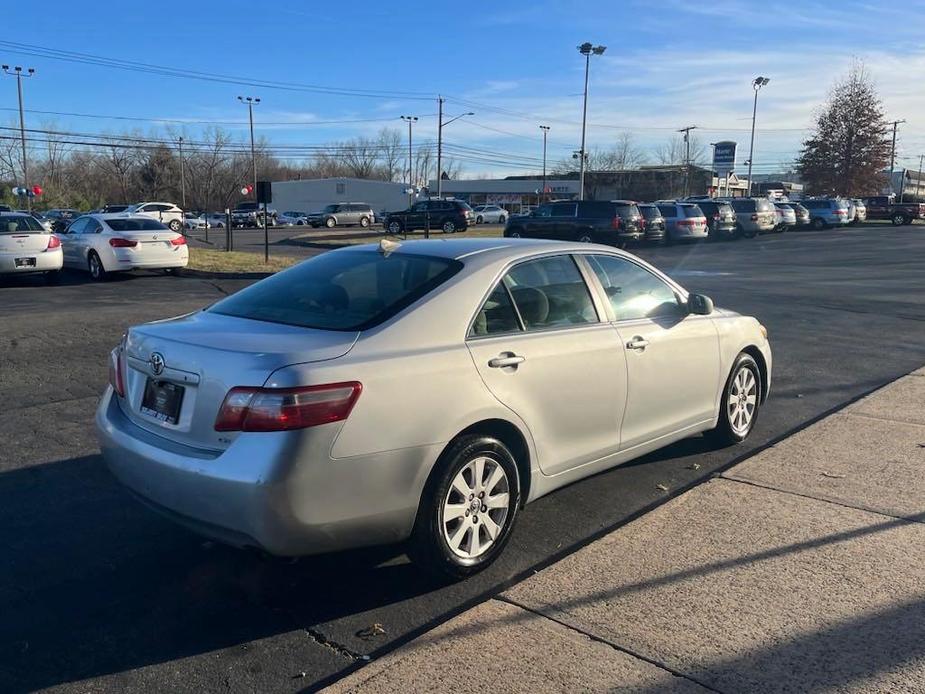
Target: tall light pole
x=440, y=126
x=895, y=124
x=17, y=73
x=918, y=183
x=713, y=170
x=410, y=119
x=687, y=158
x=545, y=129
x=182, y=177
x=757, y=84
x=251, y=102
x=587, y=50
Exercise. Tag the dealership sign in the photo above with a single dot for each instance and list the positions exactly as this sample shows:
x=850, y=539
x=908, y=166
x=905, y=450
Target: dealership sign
x=724, y=157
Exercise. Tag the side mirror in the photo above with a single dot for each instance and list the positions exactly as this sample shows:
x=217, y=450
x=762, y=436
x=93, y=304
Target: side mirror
x=699, y=304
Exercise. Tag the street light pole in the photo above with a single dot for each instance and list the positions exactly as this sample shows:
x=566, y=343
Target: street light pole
x=894, y=123
x=410, y=119
x=545, y=129
x=586, y=49
x=251, y=102
x=182, y=178
x=757, y=84
x=17, y=73
x=687, y=158
x=918, y=183
x=440, y=126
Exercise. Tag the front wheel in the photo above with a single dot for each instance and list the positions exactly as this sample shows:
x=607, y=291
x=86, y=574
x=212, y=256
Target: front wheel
x=818, y=224
x=479, y=219
x=449, y=227
x=584, y=237
x=468, y=508
x=394, y=227
x=95, y=265
x=899, y=219
x=739, y=403
x=330, y=222
x=175, y=225
x=364, y=222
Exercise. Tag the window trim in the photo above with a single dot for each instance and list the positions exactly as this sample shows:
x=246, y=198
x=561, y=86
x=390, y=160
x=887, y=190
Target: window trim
x=603, y=314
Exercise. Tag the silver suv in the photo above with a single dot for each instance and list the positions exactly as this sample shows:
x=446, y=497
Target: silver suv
x=753, y=215
x=827, y=212
x=343, y=214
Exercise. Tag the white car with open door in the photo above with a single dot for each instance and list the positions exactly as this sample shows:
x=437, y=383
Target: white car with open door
x=105, y=243
x=27, y=248
x=165, y=212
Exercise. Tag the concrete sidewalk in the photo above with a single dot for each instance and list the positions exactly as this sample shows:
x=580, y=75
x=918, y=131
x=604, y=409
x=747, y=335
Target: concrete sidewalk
x=801, y=569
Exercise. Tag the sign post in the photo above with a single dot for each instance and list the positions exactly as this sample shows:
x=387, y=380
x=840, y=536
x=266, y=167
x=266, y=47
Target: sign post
x=724, y=161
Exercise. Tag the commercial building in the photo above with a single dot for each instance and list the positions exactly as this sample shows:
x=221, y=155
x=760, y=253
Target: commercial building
x=311, y=195
x=515, y=194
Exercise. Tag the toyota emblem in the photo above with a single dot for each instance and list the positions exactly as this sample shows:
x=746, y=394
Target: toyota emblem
x=157, y=363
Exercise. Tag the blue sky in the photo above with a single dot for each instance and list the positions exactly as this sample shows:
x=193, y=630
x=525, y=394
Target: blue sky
x=669, y=64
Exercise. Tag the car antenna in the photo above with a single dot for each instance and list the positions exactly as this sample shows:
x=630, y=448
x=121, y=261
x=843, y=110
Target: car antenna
x=387, y=247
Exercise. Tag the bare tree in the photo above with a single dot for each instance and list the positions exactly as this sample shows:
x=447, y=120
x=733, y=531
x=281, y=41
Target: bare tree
x=391, y=154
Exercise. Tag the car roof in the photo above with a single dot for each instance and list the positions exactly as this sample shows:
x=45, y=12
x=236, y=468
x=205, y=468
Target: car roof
x=497, y=248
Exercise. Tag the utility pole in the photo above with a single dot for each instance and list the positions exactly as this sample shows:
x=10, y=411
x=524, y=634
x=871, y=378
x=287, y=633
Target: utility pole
x=586, y=49
x=545, y=129
x=895, y=124
x=757, y=84
x=183, y=179
x=410, y=119
x=440, y=126
x=918, y=183
x=251, y=102
x=17, y=73
x=687, y=158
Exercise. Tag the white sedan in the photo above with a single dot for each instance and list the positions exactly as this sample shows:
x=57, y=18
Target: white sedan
x=292, y=218
x=490, y=214
x=104, y=243
x=27, y=248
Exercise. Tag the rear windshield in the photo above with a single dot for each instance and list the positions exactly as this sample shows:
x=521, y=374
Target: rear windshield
x=11, y=224
x=352, y=290
x=135, y=224
x=650, y=212
x=692, y=211
x=743, y=205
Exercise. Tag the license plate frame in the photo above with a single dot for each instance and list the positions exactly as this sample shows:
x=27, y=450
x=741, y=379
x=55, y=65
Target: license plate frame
x=162, y=401
x=24, y=262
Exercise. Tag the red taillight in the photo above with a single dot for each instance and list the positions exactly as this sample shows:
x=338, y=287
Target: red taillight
x=616, y=222
x=179, y=241
x=53, y=242
x=717, y=217
x=280, y=409
x=117, y=372
x=841, y=212
x=122, y=243
x=754, y=218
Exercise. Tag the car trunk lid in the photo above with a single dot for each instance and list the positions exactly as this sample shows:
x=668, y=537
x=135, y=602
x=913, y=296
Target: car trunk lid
x=198, y=358
x=23, y=241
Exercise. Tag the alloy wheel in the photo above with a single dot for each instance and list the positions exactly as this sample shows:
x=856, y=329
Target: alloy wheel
x=742, y=401
x=475, y=509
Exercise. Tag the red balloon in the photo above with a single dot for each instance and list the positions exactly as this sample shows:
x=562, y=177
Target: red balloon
x=37, y=190
x=250, y=188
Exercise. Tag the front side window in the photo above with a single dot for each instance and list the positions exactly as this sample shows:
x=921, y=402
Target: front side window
x=633, y=291
x=352, y=290
x=550, y=293
x=543, y=211
x=564, y=209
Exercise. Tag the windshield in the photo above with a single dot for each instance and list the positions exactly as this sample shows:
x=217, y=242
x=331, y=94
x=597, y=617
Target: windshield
x=10, y=224
x=340, y=291
x=135, y=224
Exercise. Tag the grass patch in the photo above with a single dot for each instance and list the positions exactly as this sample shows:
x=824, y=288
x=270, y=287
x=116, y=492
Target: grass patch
x=208, y=260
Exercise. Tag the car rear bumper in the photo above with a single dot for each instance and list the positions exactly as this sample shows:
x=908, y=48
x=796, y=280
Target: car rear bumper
x=280, y=492
x=45, y=261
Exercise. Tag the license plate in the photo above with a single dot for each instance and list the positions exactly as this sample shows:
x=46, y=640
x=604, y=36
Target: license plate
x=24, y=262
x=162, y=400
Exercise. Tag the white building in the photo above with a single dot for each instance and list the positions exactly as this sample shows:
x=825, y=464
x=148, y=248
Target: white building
x=311, y=195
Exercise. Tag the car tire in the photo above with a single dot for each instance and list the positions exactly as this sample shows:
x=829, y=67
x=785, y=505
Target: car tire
x=736, y=421
x=513, y=234
x=899, y=220
x=449, y=227
x=364, y=222
x=460, y=546
x=584, y=237
x=175, y=225
x=330, y=222
x=818, y=224
x=479, y=219
x=95, y=266
x=395, y=227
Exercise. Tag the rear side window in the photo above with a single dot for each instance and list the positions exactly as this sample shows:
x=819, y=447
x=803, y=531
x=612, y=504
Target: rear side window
x=497, y=315
x=650, y=212
x=708, y=207
x=352, y=290
x=550, y=292
x=667, y=210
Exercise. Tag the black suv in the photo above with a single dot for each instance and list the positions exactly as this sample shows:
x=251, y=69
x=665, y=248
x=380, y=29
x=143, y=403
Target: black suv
x=446, y=215
x=721, y=219
x=654, y=222
x=614, y=222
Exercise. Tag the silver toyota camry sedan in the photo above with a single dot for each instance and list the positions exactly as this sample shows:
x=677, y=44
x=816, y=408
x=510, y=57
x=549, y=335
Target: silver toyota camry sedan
x=422, y=392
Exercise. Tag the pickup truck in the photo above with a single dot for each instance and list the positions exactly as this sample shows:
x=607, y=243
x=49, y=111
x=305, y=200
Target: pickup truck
x=250, y=214
x=899, y=213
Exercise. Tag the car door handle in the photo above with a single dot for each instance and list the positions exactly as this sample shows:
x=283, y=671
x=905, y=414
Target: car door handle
x=506, y=359
x=637, y=343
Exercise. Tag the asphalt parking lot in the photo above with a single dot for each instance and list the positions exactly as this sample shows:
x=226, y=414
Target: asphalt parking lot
x=98, y=593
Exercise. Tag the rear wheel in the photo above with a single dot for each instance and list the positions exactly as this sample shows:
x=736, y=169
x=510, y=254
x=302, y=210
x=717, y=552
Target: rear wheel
x=449, y=227
x=364, y=222
x=818, y=224
x=514, y=234
x=899, y=219
x=468, y=508
x=479, y=219
x=53, y=277
x=739, y=403
x=175, y=225
x=95, y=266
x=175, y=271
x=330, y=222
x=394, y=227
